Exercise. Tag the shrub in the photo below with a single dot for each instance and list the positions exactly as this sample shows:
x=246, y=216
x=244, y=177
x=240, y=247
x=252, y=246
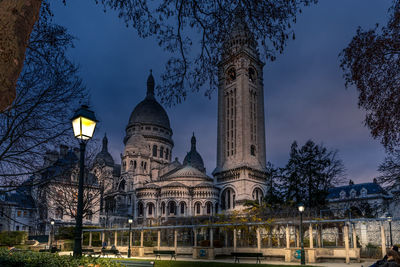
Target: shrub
x=9, y=238
x=41, y=259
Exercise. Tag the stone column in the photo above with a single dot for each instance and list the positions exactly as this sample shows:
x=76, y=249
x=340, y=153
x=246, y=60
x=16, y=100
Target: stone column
x=175, y=240
x=310, y=230
x=346, y=242
x=131, y=238
x=258, y=239
x=383, y=240
x=102, y=237
x=287, y=236
x=141, y=238
x=90, y=239
x=278, y=236
x=115, y=238
x=297, y=237
x=158, y=239
x=354, y=236
x=234, y=240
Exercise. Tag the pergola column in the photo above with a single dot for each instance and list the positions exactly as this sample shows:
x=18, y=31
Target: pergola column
x=102, y=238
x=90, y=239
x=346, y=242
x=383, y=240
x=115, y=238
x=195, y=237
x=175, y=240
x=354, y=236
x=211, y=237
x=141, y=237
x=310, y=230
x=297, y=237
x=158, y=239
x=319, y=236
x=234, y=239
x=226, y=238
x=287, y=236
x=258, y=238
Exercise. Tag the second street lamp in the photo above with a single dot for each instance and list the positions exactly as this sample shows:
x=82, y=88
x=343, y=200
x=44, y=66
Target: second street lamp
x=83, y=123
x=302, y=253
x=130, y=221
x=51, y=235
x=390, y=218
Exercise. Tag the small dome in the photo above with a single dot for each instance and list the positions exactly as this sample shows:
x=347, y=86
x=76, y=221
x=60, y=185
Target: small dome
x=137, y=144
x=104, y=157
x=149, y=111
x=193, y=158
x=188, y=172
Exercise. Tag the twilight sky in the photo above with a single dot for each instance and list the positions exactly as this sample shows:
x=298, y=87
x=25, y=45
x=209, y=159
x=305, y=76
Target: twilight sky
x=305, y=97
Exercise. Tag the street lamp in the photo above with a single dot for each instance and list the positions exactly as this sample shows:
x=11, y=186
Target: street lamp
x=51, y=234
x=130, y=221
x=83, y=124
x=390, y=218
x=302, y=254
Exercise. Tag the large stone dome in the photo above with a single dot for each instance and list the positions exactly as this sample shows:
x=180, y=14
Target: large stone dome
x=193, y=157
x=149, y=111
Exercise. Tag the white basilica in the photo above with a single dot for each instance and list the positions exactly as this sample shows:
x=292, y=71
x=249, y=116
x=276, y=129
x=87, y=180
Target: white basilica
x=152, y=188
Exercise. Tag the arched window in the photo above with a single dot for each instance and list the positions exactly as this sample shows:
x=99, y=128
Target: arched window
x=124, y=165
x=145, y=165
x=140, y=209
x=257, y=195
x=172, y=208
x=161, y=152
x=198, y=208
x=166, y=153
x=252, y=150
x=231, y=75
x=209, y=208
x=163, y=208
x=121, y=186
x=131, y=163
x=154, y=151
x=134, y=164
x=150, y=209
x=216, y=208
x=228, y=199
x=182, y=208
x=252, y=75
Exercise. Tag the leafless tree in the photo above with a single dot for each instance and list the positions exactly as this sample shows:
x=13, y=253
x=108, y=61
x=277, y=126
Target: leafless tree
x=48, y=91
x=390, y=173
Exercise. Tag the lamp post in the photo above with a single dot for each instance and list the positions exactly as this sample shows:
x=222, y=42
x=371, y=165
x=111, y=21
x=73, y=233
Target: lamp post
x=51, y=234
x=83, y=124
x=302, y=253
x=130, y=221
x=390, y=218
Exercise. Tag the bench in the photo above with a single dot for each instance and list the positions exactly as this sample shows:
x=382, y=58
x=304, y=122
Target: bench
x=238, y=255
x=88, y=251
x=165, y=252
x=51, y=250
x=106, y=252
x=135, y=263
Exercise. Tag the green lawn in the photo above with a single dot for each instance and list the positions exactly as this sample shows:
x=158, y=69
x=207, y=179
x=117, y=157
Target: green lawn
x=168, y=263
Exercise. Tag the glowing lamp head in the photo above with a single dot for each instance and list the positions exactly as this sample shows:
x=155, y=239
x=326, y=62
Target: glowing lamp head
x=52, y=222
x=130, y=221
x=84, y=123
x=389, y=217
x=301, y=207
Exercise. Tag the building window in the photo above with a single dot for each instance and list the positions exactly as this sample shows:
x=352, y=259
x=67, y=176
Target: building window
x=154, y=151
x=252, y=75
x=19, y=213
x=252, y=150
x=151, y=209
x=17, y=228
x=231, y=75
x=342, y=195
x=257, y=195
x=89, y=215
x=172, y=208
x=140, y=209
x=209, y=207
x=166, y=153
x=228, y=199
x=163, y=208
x=161, y=152
x=363, y=192
x=198, y=208
x=59, y=213
x=25, y=213
x=134, y=164
x=145, y=165
x=182, y=208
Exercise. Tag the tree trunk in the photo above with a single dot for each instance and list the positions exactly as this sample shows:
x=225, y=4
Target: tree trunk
x=17, y=18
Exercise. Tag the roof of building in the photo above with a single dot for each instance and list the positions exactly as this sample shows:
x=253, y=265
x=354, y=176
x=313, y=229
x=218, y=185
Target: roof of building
x=193, y=157
x=149, y=111
x=104, y=157
x=372, y=188
x=20, y=199
x=188, y=172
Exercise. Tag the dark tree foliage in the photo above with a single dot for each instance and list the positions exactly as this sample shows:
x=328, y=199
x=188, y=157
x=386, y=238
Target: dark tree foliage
x=310, y=172
x=193, y=31
x=48, y=90
x=390, y=173
x=273, y=196
x=371, y=62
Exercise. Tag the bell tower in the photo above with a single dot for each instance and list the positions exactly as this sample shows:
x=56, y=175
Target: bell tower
x=241, y=160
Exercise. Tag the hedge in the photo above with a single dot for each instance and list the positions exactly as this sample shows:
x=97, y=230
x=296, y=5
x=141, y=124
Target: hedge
x=12, y=238
x=43, y=259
